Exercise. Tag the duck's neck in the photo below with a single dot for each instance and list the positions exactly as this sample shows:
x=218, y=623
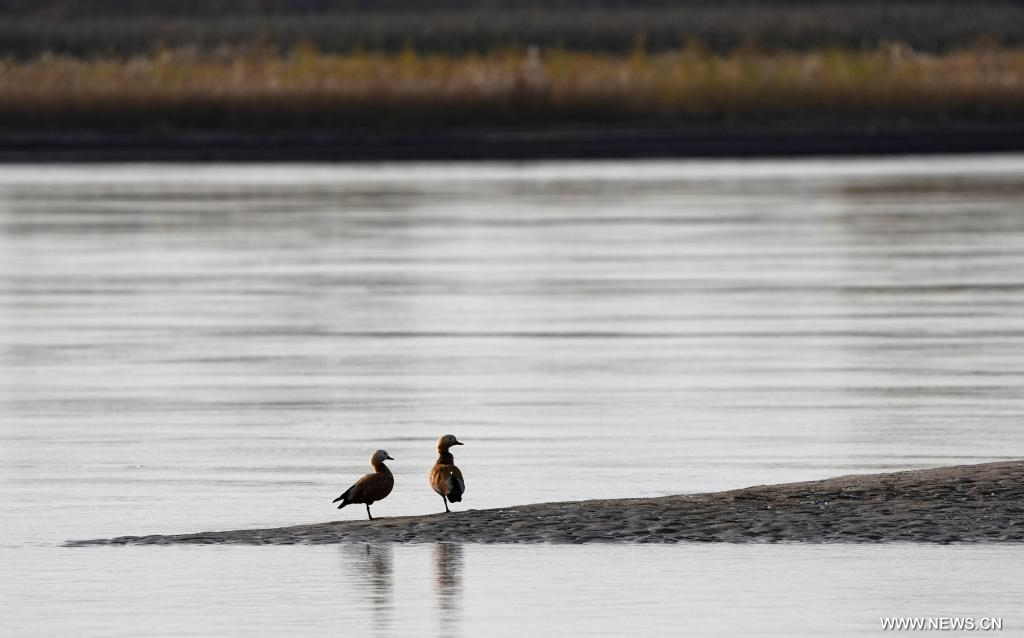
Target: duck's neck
x=380, y=468
x=444, y=457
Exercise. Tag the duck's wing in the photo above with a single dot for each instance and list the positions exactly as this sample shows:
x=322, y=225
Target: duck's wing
x=376, y=486
x=456, y=484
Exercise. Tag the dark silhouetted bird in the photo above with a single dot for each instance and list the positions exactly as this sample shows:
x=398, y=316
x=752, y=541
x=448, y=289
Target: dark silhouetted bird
x=372, y=487
x=445, y=478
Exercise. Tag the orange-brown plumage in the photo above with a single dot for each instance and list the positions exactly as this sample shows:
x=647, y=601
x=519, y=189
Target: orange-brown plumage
x=445, y=478
x=371, y=487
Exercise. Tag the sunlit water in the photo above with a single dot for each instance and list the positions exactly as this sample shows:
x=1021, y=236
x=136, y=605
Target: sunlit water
x=189, y=348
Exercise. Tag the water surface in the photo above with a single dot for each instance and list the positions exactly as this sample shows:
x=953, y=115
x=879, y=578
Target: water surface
x=209, y=347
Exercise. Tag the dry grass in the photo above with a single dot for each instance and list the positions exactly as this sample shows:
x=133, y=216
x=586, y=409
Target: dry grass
x=310, y=89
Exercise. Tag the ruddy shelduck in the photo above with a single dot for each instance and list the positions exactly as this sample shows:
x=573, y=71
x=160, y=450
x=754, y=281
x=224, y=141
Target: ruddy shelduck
x=445, y=478
x=372, y=487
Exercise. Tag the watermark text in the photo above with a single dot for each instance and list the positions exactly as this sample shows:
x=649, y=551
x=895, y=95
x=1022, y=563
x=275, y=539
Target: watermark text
x=942, y=623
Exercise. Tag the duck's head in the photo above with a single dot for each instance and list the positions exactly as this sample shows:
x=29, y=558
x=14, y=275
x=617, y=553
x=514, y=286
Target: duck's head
x=379, y=457
x=447, y=441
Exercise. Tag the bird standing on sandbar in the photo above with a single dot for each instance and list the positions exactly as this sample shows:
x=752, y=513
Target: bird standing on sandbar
x=445, y=478
x=372, y=487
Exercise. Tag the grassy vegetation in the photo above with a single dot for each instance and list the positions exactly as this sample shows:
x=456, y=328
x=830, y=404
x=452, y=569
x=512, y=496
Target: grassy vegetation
x=101, y=28
x=309, y=89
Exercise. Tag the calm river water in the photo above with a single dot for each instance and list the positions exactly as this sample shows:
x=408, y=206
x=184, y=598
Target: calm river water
x=188, y=348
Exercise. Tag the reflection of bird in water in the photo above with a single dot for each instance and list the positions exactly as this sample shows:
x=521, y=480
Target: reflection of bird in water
x=372, y=566
x=445, y=478
x=448, y=577
x=371, y=487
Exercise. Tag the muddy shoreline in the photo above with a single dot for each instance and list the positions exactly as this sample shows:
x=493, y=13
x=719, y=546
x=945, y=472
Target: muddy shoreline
x=513, y=145
x=961, y=504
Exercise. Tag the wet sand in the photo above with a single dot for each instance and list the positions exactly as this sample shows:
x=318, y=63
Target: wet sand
x=967, y=503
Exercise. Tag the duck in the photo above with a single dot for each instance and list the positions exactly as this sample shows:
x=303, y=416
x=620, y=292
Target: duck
x=372, y=487
x=445, y=478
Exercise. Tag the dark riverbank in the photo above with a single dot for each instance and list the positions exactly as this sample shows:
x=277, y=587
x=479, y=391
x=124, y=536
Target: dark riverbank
x=513, y=105
x=131, y=27
x=563, y=144
x=967, y=503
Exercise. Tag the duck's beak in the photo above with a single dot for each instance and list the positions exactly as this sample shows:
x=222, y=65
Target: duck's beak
x=389, y=457
x=457, y=443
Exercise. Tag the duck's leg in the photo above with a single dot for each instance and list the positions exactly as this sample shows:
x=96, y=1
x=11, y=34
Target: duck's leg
x=445, y=499
x=368, y=514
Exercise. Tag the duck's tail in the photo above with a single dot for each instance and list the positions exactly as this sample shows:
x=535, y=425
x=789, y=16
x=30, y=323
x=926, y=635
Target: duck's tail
x=343, y=498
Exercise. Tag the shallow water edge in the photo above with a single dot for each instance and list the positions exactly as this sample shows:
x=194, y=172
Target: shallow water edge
x=695, y=141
